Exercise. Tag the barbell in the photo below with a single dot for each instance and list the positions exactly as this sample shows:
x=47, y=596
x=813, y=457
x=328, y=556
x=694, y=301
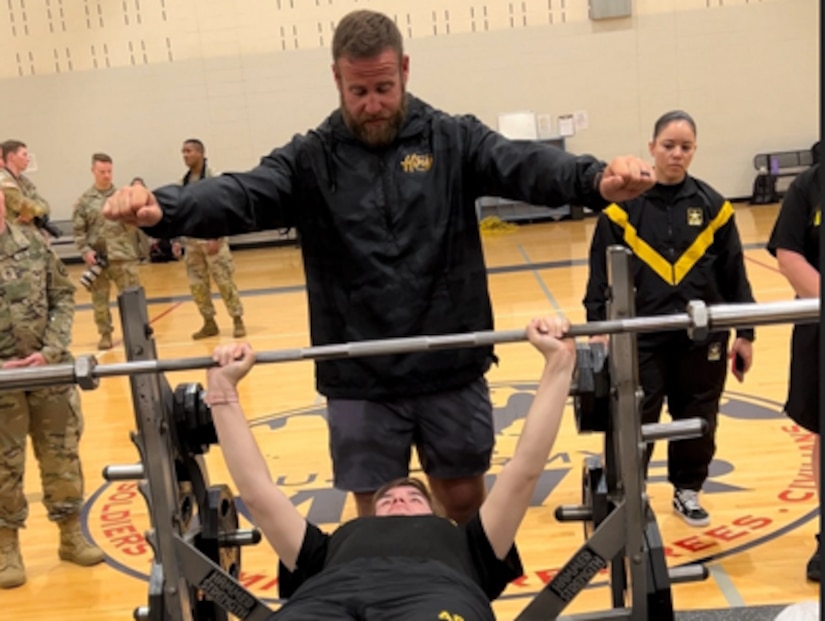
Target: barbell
x=698, y=320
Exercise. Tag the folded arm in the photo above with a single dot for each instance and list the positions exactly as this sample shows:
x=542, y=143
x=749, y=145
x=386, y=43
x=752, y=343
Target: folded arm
x=803, y=277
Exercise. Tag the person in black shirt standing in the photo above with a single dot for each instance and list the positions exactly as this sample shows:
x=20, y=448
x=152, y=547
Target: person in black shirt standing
x=794, y=242
x=405, y=561
x=685, y=247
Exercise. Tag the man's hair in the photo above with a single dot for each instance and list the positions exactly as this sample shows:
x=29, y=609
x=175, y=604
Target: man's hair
x=669, y=117
x=365, y=34
x=138, y=180
x=11, y=146
x=815, y=152
x=101, y=157
x=196, y=143
x=414, y=483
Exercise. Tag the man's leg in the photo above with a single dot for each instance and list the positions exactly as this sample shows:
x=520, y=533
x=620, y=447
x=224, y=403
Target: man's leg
x=370, y=444
x=14, y=427
x=197, y=271
x=803, y=408
x=814, y=568
x=55, y=428
x=455, y=438
x=221, y=267
x=460, y=497
x=100, y=303
x=124, y=274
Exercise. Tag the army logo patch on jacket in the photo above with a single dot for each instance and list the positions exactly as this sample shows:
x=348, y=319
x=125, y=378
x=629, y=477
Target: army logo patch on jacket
x=694, y=216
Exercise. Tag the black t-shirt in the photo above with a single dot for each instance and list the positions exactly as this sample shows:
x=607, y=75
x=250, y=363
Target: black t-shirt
x=450, y=548
x=797, y=226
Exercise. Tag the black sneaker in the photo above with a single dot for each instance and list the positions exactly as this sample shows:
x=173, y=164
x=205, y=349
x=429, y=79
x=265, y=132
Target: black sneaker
x=812, y=570
x=686, y=505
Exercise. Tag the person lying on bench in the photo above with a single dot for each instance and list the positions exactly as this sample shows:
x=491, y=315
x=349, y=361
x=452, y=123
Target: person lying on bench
x=406, y=561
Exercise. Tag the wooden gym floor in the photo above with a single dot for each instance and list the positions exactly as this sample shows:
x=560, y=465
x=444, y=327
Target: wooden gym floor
x=761, y=494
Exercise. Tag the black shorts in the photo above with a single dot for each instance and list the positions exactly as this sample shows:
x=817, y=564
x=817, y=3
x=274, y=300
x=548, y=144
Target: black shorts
x=371, y=442
x=803, y=388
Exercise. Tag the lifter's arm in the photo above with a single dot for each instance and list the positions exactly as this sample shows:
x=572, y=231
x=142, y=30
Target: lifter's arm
x=271, y=509
x=505, y=506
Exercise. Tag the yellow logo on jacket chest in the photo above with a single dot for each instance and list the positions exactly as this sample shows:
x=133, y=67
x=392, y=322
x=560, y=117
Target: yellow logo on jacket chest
x=416, y=162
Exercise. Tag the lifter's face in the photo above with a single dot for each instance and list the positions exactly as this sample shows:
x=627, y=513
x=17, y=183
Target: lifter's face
x=373, y=95
x=402, y=500
x=673, y=150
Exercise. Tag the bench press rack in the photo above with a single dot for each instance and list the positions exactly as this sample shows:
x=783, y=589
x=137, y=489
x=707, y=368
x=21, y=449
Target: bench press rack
x=195, y=533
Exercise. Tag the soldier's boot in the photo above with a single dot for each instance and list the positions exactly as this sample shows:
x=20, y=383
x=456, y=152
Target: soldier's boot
x=105, y=341
x=210, y=328
x=73, y=545
x=238, y=329
x=12, y=572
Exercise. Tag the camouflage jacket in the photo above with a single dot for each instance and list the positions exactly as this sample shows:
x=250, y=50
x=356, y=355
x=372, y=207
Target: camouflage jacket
x=36, y=298
x=22, y=198
x=94, y=232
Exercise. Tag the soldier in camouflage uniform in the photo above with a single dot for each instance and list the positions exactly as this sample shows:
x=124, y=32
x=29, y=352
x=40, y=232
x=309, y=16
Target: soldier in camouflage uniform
x=36, y=312
x=209, y=256
x=98, y=238
x=23, y=202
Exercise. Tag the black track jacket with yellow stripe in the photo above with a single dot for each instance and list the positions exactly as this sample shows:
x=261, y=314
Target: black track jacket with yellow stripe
x=685, y=247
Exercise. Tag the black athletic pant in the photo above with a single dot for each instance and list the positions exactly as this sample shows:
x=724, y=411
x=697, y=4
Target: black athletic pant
x=691, y=376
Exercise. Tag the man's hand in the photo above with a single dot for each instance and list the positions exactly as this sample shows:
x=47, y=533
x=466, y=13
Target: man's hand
x=213, y=246
x=741, y=356
x=133, y=205
x=626, y=177
x=90, y=258
x=32, y=360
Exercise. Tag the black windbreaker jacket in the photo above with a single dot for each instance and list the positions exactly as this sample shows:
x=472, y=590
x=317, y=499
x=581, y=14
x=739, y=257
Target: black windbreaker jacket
x=389, y=236
x=684, y=249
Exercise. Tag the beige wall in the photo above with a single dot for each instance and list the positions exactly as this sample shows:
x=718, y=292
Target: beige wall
x=135, y=77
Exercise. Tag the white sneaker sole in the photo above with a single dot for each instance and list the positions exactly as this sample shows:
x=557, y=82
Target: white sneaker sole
x=692, y=521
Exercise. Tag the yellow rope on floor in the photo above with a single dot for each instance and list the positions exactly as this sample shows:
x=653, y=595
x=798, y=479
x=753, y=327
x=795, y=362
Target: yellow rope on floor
x=493, y=225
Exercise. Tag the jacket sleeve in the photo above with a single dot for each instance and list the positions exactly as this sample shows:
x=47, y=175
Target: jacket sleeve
x=731, y=274
x=529, y=171
x=79, y=228
x=595, y=298
x=60, y=296
x=232, y=203
x=18, y=205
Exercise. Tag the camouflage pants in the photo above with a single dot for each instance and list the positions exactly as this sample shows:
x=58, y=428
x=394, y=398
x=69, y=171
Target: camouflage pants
x=53, y=419
x=124, y=274
x=199, y=266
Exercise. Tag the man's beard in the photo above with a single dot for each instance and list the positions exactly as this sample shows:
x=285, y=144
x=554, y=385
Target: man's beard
x=376, y=134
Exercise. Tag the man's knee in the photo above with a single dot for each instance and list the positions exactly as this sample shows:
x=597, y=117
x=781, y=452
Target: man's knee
x=461, y=497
